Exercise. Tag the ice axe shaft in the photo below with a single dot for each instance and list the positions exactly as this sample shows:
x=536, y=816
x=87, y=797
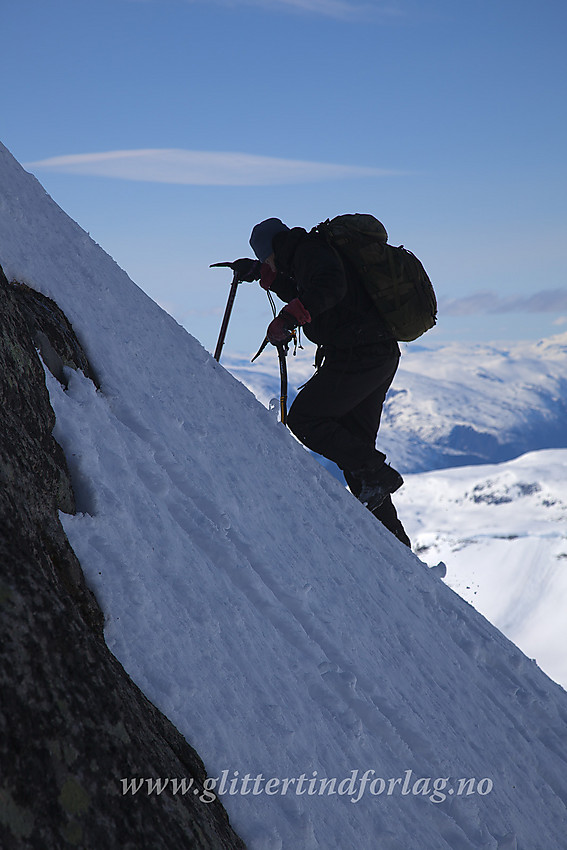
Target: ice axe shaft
x=282, y=348
x=282, y=352
x=228, y=308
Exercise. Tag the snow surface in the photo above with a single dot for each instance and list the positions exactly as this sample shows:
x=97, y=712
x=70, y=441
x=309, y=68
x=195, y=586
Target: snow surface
x=261, y=607
x=502, y=531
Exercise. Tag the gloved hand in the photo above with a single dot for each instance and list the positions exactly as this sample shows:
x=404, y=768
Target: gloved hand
x=247, y=269
x=280, y=330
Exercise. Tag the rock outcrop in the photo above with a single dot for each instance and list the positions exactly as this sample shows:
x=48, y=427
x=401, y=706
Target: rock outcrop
x=73, y=724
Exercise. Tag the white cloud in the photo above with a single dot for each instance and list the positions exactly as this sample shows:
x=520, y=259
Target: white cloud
x=545, y=301
x=331, y=8
x=342, y=9
x=202, y=168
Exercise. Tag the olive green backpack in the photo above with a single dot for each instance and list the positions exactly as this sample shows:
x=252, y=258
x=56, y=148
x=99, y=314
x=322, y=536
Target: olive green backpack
x=394, y=278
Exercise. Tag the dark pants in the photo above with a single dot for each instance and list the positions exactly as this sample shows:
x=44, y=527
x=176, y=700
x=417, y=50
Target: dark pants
x=337, y=413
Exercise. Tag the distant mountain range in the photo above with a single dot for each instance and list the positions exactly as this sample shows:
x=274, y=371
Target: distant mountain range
x=455, y=405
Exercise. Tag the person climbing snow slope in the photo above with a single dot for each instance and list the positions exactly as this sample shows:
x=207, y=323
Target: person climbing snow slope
x=337, y=412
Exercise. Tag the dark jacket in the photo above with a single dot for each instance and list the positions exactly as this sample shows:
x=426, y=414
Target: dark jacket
x=342, y=313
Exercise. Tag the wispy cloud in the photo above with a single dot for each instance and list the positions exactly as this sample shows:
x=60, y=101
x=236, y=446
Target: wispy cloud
x=546, y=301
x=341, y=9
x=202, y=168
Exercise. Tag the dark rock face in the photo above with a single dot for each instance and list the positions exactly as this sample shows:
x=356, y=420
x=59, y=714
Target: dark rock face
x=72, y=723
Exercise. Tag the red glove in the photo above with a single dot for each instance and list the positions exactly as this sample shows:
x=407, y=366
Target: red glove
x=280, y=329
x=300, y=313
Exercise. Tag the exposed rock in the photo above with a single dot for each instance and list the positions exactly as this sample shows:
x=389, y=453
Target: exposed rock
x=72, y=723
x=52, y=333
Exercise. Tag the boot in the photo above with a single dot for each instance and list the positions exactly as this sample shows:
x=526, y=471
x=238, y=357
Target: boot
x=388, y=516
x=376, y=484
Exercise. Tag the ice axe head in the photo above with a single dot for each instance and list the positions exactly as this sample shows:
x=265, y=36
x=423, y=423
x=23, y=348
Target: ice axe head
x=244, y=269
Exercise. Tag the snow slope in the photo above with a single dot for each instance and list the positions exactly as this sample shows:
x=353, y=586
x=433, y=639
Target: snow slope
x=457, y=404
x=502, y=531
x=279, y=626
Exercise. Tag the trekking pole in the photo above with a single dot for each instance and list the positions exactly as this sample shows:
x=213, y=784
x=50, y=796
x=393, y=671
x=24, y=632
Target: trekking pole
x=228, y=308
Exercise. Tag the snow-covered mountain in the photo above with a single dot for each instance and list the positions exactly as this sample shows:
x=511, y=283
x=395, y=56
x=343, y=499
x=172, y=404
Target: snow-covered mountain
x=454, y=405
x=340, y=695
x=502, y=531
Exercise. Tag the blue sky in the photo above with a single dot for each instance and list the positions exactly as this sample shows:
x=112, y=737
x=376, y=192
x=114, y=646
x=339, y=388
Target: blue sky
x=446, y=120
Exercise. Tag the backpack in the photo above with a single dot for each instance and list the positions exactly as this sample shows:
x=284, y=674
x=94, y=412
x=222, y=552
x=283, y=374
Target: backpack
x=393, y=277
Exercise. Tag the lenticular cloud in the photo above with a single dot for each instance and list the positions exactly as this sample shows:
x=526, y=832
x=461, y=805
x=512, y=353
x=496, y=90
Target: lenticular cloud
x=203, y=168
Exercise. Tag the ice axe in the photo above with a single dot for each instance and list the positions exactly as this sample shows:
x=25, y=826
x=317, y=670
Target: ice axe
x=282, y=354
x=228, y=308
x=283, y=348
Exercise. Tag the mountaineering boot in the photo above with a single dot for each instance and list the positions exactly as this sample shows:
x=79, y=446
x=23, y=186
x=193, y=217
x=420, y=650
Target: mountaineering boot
x=377, y=483
x=384, y=513
x=388, y=516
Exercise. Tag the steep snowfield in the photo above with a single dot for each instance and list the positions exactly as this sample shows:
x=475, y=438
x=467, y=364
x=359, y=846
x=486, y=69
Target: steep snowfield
x=457, y=404
x=502, y=530
x=279, y=626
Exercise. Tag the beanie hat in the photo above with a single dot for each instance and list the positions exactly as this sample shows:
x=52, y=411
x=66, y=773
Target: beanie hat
x=262, y=235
